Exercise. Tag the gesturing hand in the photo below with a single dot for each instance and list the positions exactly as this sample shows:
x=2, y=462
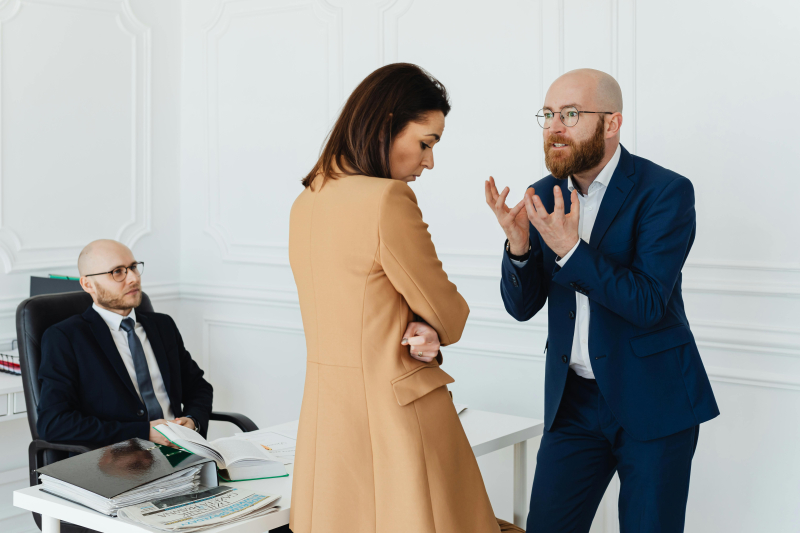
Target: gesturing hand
x=421, y=339
x=513, y=221
x=559, y=231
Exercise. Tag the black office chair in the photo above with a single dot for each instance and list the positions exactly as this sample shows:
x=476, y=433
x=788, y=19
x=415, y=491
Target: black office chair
x=34, y=316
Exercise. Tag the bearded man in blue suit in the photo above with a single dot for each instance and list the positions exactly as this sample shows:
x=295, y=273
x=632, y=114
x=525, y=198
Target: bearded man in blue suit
x=625, y=389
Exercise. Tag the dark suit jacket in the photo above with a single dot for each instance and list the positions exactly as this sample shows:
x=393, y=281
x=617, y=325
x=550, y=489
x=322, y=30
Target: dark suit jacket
x=643, y=354
x=87, y=395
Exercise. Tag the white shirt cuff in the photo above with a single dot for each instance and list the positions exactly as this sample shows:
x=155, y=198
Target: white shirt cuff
x=563, y=261
x=519, y=263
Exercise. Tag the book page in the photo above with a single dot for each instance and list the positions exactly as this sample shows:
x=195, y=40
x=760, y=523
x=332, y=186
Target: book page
x=233, y=450
x=190, y=440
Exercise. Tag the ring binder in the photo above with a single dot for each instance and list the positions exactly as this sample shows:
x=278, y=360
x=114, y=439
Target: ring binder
x=9, y=362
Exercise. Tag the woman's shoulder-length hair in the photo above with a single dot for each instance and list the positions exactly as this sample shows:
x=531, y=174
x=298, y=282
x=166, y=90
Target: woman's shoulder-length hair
x=374, y=114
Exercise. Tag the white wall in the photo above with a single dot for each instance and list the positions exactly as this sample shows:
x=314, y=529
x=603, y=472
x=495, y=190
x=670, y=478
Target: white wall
x=702, y=84
x=89, y=133
x=230, y=101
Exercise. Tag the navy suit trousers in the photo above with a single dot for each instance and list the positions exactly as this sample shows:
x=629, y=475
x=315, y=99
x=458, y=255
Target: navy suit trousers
x=579, y=455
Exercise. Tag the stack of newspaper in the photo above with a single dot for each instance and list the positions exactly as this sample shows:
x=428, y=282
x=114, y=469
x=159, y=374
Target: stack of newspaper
x=201, y=510
x=179, y=482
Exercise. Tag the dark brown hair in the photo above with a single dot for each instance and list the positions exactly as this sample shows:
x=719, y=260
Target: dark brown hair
x=379, y=108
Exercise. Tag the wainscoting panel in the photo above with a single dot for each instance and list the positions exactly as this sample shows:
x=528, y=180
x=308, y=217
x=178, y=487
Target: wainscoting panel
x=73, y=109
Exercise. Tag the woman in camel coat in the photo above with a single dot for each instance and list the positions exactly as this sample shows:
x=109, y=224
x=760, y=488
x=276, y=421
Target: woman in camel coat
x=380, y=447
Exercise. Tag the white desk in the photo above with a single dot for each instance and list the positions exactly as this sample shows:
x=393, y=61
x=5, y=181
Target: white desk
x=487, y=432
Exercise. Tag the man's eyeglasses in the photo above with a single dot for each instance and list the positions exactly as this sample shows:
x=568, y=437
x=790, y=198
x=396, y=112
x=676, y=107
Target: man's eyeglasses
x=569, y=116
x=120, y=273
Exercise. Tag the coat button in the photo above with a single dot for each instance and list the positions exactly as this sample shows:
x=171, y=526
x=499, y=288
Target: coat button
x=572, y=315
x=140, y=412
x=564, y=358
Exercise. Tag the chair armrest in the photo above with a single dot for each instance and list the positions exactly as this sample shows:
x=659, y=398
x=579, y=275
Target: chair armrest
x=36, y=456
x=244, y=423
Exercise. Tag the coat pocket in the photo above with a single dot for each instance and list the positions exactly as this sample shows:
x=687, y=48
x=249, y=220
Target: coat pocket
x=660, y=341
x=418, y=382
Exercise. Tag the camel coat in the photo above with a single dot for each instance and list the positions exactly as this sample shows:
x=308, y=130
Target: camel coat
x=380, y=447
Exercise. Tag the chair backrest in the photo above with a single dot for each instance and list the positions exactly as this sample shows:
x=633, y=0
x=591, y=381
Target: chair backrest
x=34, y=316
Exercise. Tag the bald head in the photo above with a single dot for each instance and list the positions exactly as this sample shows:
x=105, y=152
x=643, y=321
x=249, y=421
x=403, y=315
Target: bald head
x=103, y=255
x=595, y=88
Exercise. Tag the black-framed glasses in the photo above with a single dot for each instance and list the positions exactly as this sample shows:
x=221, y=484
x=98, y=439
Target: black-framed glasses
x=569, y=116
x=120, y=273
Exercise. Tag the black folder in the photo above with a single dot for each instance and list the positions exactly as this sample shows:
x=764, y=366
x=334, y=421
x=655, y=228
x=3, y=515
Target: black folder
x=113, y=470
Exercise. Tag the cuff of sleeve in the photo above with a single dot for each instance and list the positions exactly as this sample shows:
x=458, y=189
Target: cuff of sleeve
x=196, y=423
x=561, y=261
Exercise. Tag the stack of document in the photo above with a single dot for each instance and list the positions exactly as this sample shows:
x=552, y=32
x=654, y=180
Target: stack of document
x=9, y=362
x=178, y=483
x=237, y=459
x=127, y=473
x=203, y=510
x=280, y=441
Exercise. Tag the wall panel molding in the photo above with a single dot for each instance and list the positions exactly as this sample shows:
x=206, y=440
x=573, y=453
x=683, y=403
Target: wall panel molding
x=272, y=326
x=236, y=250
x=389, y=14
x=20, y=256
x=487, y=317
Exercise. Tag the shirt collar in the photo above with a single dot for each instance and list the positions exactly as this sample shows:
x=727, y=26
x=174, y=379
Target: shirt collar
x=605, y=175
x=111, y=318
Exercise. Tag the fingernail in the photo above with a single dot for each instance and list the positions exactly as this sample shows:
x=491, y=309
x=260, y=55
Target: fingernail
x=404, y=341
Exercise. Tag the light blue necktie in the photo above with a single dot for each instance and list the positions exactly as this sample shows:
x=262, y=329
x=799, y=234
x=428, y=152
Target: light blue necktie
x=154, y=411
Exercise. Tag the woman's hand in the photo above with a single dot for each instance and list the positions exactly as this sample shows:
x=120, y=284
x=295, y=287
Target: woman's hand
x=422, y=340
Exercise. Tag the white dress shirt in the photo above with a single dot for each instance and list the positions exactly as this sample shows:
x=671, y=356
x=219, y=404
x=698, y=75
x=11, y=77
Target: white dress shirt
x=580, y=361
x=120, y=336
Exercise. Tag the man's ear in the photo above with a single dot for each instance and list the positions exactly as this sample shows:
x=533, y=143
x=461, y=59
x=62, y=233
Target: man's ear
x=613, y=125
x=87, y=285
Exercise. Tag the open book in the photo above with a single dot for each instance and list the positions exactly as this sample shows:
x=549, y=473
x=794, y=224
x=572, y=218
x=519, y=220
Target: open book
x=237, y=459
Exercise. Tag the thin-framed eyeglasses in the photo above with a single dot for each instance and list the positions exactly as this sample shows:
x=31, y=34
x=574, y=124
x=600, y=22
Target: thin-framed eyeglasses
x=120, y=273
x=569, y=116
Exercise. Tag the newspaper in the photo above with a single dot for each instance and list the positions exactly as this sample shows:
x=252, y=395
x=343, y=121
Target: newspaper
x=202, y=510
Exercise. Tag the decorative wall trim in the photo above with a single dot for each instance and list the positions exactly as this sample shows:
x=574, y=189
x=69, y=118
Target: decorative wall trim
x=753, y=378
x=234, y=250
x=623, y=16
x=389, y=14
x=15, y=519
x=13, y=476
x=264, y=325
x=18, y=256
x=715, y=277
x=486, y=316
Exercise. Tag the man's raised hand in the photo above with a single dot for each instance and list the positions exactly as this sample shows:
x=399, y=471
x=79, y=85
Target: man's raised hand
x=514, y=221
x=559, y=231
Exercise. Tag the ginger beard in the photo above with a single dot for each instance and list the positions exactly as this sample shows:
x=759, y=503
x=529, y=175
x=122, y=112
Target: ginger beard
x=121, y=302
x=579, y=157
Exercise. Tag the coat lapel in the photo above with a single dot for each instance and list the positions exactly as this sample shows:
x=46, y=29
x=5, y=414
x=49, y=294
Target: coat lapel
x=103, y=336
x=619, y=187
x=158, y=348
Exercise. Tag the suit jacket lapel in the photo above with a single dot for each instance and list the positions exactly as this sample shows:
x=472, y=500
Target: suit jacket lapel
x=103, y=336
x=158, y=348
x=619, y=187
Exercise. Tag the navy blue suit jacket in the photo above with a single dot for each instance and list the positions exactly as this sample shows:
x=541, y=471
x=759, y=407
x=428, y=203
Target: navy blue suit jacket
x=643, y=354
x=87, y=394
